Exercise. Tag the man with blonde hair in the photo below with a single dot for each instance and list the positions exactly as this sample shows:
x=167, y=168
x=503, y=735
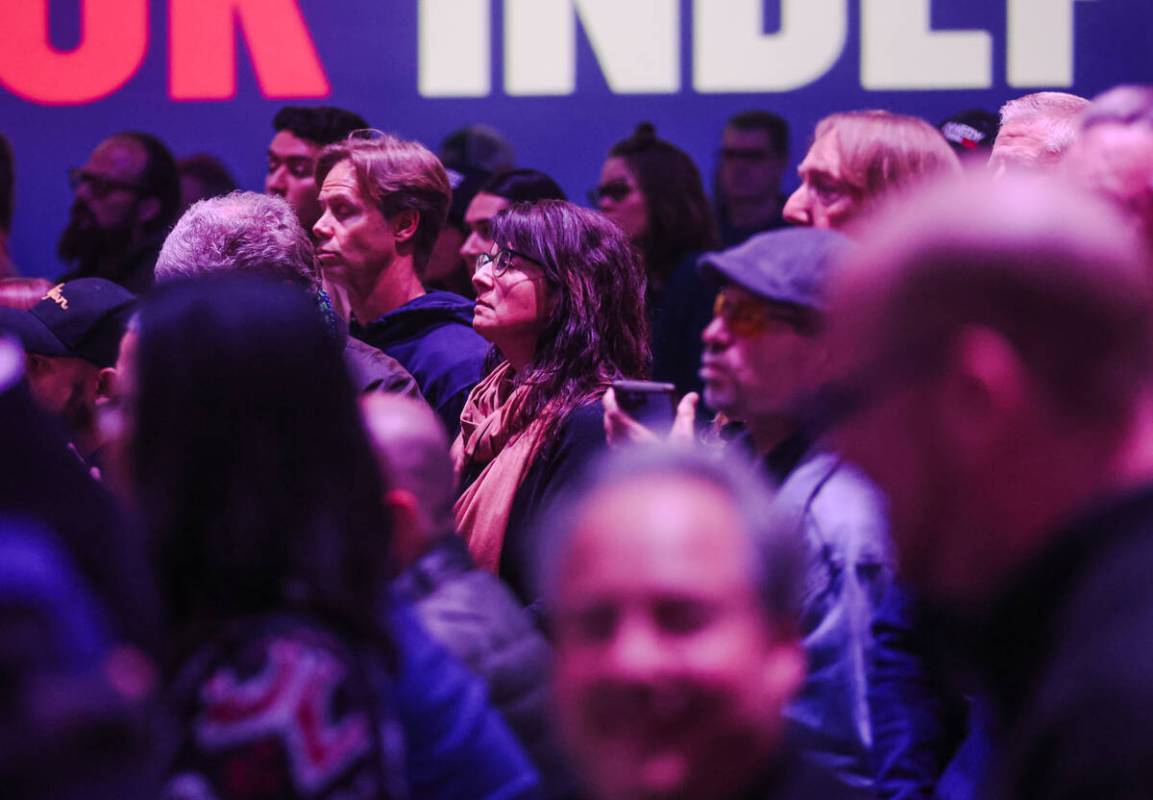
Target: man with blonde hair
x=383, y=202
x=859, y=156
x=1037, y=131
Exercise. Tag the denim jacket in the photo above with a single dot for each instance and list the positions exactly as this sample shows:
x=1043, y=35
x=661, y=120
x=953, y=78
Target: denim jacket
x=842, y=518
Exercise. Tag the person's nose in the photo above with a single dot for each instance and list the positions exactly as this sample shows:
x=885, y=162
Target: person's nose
x=796, y=211
x=482, y=277
x=716, y=335
x=275, y=183
x=322, y=230
x=472, y=247
x=636, y=653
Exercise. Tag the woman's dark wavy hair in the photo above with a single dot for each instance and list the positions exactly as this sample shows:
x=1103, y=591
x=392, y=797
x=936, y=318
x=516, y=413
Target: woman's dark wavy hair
x=250, y=463
x=680, y=220
x=597, y=330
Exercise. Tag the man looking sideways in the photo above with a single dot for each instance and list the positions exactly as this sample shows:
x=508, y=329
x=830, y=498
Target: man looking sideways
x=383, y=201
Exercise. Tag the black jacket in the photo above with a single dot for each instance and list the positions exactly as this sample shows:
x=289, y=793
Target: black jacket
x=1067, y=654
x=432, y=337
x=581, y=438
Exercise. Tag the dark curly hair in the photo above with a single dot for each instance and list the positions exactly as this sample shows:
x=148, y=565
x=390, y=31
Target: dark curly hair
x=597, y=330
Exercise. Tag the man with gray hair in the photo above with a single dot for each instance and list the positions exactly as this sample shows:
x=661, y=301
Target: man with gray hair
x=1036, y=132
x=674, y=598
x=260, y=235
x=1114, y=154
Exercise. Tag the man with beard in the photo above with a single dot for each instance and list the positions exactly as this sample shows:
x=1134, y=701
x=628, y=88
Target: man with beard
x=127, y=195
x=71, y=339
x=675, y=602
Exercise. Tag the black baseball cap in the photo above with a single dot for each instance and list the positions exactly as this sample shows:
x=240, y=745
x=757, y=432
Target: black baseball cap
x=84, y=318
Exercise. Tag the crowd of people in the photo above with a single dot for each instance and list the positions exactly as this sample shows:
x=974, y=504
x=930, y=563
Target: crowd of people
x=359, y=487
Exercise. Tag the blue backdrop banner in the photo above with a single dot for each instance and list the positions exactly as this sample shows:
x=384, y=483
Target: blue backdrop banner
x=562, y=79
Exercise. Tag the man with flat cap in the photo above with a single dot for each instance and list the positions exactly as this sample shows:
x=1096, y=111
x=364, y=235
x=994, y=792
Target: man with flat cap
x=762, y=353
x=71, y=339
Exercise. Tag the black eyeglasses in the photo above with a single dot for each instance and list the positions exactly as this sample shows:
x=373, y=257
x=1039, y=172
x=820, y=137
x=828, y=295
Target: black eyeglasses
x=503, y=260
x=99, y=185
x=613, y=190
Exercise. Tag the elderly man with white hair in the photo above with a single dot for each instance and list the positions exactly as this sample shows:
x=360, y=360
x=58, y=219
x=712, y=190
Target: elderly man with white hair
x=260, y=234
x=1037, y=131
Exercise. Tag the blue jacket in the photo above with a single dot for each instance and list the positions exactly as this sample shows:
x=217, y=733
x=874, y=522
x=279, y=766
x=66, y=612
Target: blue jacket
x=432, y=337
x=928, y=740
x=842, y=520
x=458, y=747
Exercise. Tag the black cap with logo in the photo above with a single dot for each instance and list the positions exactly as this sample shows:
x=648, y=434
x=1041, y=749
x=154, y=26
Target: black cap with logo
x=84, y=318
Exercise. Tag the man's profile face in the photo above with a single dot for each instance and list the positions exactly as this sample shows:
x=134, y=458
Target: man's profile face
x=354, y=241
x=824, y=199
x=756, y=368
x=749, y=167
x=478, y=220
x=63, y=387
x=292, y=175
x=669, y=679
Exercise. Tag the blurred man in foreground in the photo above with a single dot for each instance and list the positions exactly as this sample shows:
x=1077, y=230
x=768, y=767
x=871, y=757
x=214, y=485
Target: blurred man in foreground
x=993, y=356
x=675, y=605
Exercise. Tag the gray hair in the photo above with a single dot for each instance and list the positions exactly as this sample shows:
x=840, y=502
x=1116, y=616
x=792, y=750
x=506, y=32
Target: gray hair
x=777, y=565
x=240, y=232
x=1122, y=105
x=1056, y=115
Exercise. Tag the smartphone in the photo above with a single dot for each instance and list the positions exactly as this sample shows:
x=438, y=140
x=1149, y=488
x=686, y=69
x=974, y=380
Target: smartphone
x=652, y=404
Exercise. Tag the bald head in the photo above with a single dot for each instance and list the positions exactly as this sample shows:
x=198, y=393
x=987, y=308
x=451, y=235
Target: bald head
x=412, y=450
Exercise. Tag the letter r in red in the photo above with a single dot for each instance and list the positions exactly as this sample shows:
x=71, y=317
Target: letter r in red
x=203, y=51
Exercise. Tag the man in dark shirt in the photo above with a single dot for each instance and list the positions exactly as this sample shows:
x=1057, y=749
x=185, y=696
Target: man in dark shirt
x=752, y=160
x=383, y=202
x=127, y=195
x=993, y=352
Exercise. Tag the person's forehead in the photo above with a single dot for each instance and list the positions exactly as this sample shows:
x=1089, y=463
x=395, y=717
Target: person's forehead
x=484, y=206
x=747, y=138
x=285, y=144
x=823, y=156
x=739, y=294
x=341, y=179
x=657, y=532
x=123, y=159
x=616, y=169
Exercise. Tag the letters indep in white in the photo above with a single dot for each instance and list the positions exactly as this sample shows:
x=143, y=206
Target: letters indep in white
x=637, y=46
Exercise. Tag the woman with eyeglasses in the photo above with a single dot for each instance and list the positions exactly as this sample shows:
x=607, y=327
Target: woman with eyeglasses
x=653, y=191
x=560, y=296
